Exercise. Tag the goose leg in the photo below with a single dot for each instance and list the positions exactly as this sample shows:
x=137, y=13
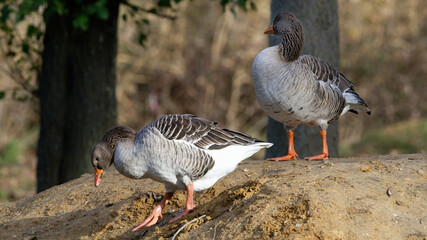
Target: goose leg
x=324, y=155
x=156, y=214
x=189, y=205
x=292, y=155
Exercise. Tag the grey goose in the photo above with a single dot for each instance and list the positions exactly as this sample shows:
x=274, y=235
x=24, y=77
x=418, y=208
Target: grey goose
x=182, y=151
x=294, y=89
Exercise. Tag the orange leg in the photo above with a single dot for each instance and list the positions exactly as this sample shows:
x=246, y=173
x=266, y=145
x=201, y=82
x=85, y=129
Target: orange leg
x=292, y=155
x=189, y=205
x=324, y=155
x=156, y=214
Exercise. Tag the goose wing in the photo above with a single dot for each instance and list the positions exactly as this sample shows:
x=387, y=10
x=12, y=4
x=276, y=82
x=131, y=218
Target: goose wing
x=324, y=72
x=336, y=81
x=202, y=133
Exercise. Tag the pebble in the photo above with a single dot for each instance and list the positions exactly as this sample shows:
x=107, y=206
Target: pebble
x=388, y=191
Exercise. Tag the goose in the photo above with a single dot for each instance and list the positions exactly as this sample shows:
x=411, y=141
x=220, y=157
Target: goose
x=300, y=89
x=182, y=151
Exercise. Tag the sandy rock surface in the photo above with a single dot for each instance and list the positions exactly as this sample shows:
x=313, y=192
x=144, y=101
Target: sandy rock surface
x=373, y=197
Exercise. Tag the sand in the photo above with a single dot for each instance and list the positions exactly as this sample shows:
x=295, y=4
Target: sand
x=372, y=197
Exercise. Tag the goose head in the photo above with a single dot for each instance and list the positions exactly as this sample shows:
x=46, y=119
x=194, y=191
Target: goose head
x=103, y=152
x=102, y=158
x=288, y=27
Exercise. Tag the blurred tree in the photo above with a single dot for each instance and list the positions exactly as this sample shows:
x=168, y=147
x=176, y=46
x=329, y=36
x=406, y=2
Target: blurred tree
x=320, y=23
x=76, y=88
x=77, y=76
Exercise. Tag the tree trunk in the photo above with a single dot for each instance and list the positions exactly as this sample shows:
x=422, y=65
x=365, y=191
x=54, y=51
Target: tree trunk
x=77, y=93
x=319, y=20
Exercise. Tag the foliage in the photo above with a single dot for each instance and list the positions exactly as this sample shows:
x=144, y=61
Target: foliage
x=24, y=49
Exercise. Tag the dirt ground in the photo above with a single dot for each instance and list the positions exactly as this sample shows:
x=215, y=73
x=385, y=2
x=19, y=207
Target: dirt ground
x=373, y=197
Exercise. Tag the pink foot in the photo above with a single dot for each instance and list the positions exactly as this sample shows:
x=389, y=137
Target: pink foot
x=156, y=214
x=182, y=214
x=151, y=220
x=323, y=156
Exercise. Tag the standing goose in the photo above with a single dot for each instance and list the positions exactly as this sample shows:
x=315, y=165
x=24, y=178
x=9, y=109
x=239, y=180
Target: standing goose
x=295, y=89
x=180, y=150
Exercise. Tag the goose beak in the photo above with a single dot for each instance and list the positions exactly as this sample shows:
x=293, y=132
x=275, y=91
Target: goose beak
x=269, y=30
x=98, y=175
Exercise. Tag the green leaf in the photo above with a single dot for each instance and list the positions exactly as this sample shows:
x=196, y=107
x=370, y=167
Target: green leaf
x=253, y=6
x=25, y=47
x=101, y=3
x=164, y=3
x=142, y=38
x=146, y=21
x=82, y=22
x=58, y=7
x=21, y=98
x=32, y=30
x=19, y=16
x=224, y=3
x=125, y=17
x=89, y=9
x=103, y=13
x=242, y=4
x=6, y=29
x=5, y=11
x=2, y=94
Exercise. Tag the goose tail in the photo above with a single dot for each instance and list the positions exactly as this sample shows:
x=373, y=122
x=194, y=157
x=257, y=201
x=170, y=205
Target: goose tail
x=355, y=103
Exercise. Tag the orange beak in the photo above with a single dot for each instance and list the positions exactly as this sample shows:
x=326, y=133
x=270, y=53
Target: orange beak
x=269, y=30
x=98, y=175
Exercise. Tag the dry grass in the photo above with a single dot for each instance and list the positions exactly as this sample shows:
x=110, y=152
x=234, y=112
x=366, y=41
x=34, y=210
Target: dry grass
x=383, y=45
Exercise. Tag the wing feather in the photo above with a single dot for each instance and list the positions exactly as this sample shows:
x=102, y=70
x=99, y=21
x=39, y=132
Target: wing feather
x=323, y=71
x=338, y=85
x=204, y=134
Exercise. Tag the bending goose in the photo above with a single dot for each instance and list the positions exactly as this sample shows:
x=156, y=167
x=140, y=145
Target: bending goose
x=295, y=89
x=180, y=150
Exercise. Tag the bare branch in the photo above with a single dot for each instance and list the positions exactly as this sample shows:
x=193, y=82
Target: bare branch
x=15, y=73
x=125, y=2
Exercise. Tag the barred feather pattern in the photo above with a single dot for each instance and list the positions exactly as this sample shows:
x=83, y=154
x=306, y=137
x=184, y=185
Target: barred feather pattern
x=295, y=89
x=337, y=82
x=177, y=150
x=293, y=36
x=176, y=156
x=203, y=133
x=329, y=92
